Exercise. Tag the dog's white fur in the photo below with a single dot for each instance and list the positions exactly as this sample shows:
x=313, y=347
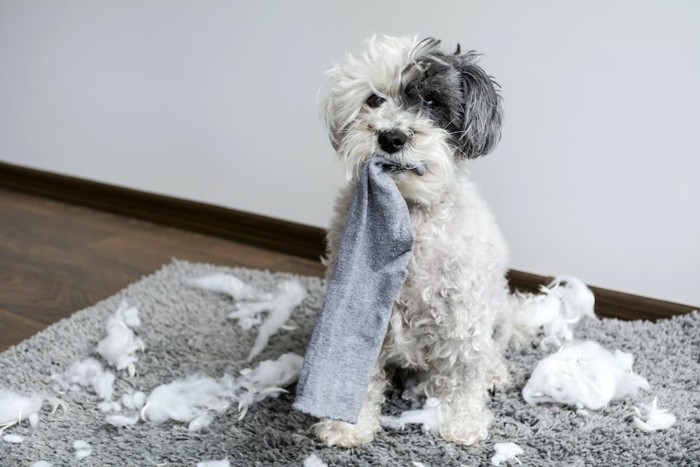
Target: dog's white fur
x=453, y=317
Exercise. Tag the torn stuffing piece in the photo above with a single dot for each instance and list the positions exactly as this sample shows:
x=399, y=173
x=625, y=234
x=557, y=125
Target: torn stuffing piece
x=251, y=303
x=428, y=417
x=314, y=461
x=120, y=344
x=15, y=408
x=229, y=285
x=267, y=380
x=82, y=449
x=83, y=374
x=651, y=417
x=584, y=375
x=505, y=452
x=290, y=295
x=562, y=304
x=221, y=463
x=197, y=400
x=120, y=421
x=41, y=464
x=134, y=402
x=14, y=439
x=194, y=400
x=109, y=406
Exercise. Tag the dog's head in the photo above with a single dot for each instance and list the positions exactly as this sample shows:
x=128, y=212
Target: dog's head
x=409, y=100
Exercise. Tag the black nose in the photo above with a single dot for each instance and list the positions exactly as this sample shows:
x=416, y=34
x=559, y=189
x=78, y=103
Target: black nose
x=392, y=141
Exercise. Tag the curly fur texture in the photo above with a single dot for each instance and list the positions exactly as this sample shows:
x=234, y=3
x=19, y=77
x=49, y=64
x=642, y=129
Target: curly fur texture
x=452, y=319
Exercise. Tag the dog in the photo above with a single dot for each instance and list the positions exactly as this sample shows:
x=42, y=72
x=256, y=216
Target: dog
x=411, y=101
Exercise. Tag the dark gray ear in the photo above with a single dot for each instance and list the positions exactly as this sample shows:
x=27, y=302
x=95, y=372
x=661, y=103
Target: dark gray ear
x=481, y=127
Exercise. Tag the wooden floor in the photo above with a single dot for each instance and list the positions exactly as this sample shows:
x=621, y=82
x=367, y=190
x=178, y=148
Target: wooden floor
x=57, y=258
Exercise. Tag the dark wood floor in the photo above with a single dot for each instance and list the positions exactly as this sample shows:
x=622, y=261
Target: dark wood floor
x=57, y=258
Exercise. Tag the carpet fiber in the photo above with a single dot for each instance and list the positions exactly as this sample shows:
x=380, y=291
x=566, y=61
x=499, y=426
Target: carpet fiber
x=186, y=332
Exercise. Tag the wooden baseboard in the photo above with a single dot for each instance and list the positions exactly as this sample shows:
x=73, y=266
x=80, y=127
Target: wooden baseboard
x=273, y=234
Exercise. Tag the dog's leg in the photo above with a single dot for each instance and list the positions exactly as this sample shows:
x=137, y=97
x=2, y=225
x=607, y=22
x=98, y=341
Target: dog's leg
x=462, y=387
x=348, y=435
x=464, y=416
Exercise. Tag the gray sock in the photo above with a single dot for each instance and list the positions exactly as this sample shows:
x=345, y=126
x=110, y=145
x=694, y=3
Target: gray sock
x=370, y=270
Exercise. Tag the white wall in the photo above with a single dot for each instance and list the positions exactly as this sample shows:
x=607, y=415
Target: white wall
x=216, y=101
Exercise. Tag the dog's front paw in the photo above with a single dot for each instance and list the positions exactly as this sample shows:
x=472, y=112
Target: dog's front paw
x=466, y=430
x=498, y=377
x=346, y=435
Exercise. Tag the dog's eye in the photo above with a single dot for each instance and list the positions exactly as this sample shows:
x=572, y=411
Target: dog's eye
x=374, y=101
x=430, y=103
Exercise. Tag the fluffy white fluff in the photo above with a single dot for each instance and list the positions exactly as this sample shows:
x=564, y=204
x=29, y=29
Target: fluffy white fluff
x=194, y=400
x=652, y=418
x=133, y=400
x=229, y=285
x=251, y=303
x=505, y=452
x=583, y=375
x=290, y=295
x=41, y=464
x=14, y=439
x=121, y=421
x=121, y=343
x=314, y=461
x=268, y=379
x=86, y=373
x=428, y=417
x=562, y=304
x=221, y=463
x=15, y=408
x=82, y=449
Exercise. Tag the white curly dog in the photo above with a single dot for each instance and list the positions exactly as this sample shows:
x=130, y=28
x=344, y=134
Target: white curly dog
x=409, y=100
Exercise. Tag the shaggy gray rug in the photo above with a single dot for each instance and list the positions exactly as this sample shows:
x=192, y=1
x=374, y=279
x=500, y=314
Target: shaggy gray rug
x=186, y=332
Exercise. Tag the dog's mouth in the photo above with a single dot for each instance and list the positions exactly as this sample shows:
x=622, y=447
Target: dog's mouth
x=395, y=167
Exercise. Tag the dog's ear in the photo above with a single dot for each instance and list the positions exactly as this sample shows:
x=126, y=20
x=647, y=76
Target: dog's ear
x=483, y=114
x=332, y=125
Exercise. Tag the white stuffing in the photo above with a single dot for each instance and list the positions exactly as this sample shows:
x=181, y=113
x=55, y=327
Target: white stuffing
x=249, y=314
x=651, y=417
x=314, y=461
x=121, y=421
x=562, y=304
x=196, y=400
x=505, y=452
x=109, y=406
x=15, y=407
x=83, y=374
x=428, y=417
x=14, y=439
x=120, y=345
x=251, y=303
x=290, y=294
x=229, y=285
x=583, y=375
x=221, y=463
x=82, y=449
x=267, y=379
x=134, y=400
x=193, y=400
x=41, y=464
